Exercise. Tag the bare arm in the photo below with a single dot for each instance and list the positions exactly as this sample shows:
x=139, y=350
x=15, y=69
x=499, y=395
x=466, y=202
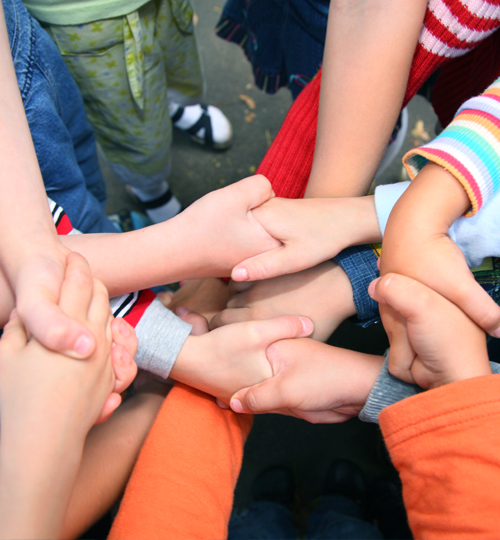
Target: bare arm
x=368, y=53
x=32, y=258
x=109, y=455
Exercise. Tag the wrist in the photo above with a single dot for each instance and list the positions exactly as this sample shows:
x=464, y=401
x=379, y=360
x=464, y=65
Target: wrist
x=190, y=361
x=46, y=247
x=363, y=220
x=469, y=371
x=437, y=196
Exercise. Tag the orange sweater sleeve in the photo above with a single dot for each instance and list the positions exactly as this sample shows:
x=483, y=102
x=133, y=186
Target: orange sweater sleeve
x=445, y=443
x=182, y=485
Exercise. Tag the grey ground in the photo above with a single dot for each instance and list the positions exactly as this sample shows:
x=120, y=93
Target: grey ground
x=307, y=449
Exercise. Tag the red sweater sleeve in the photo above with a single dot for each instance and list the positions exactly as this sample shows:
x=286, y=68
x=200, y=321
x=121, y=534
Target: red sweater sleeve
x=183, y=482
x=445, y=443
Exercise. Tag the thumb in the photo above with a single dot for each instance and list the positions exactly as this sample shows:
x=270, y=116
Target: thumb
x=409, y=297
x=260, y=398
x=284, y=327
x=276, y=262
x=255, y=190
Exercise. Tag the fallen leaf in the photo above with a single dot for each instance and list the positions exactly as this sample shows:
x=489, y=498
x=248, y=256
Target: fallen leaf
x=249, y=102
x=252, y=168
x=217, y=9
x=425, y=136
x=418, y=129
x=195, y=18
x=268, y=138
x=249, y=118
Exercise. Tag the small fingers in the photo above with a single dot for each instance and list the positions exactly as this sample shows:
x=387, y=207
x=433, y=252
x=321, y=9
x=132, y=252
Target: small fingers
x=14, y=333
x=401, y=353
x=257, y=190
x=124, y=367
x=230, y=316
x=112, y=403
x=405, y=295
x=236, y=287
x=99, y=311
x=77, y=287
x=473, y=300
x=260, y=398
x=284, y=327
x=124, y=334
x=198, y=322
x=273, y=263
x=323, y=417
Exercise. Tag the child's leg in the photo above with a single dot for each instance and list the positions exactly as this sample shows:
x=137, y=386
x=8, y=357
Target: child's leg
x=110, y=452
x=121, y=74
x=204, y=124
x=182, y=485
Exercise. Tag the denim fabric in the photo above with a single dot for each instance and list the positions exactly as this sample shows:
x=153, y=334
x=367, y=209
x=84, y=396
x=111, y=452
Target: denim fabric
x=63, y=139
x=263, y=521
x=338, y=517
x=360, y=265
x=335, y=518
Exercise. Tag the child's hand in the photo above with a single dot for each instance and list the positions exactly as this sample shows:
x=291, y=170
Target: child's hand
x=313, y=381
x=204, y=296
x=37, y=283
x=448, y=346
x=64, y=384
x=416, y=244
x=123, y=351
x=311, y=231
x=225, y=218
x=322, y=293
x=229, y=358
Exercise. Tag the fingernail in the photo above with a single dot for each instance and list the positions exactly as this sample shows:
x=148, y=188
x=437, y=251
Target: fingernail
x=240, y=274
x=166, y=298
x=125, y=357
x=496, y=333
x=307, y=326
x=13, y=314
x=124, y=328
x=371, y=287
x=181, y=311
x=83, y=345
x=236, y=406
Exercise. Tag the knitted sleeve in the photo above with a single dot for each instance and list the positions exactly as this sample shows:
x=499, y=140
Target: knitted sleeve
x=469, y=148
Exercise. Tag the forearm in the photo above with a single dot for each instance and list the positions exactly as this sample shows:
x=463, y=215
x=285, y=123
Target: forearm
x=156, y=255
x=145, y=258
x=37, y=472
x=428, y=208
x=368, y=53
x=110, y=452
x=358, y=220
x=468, y=147
x=29, y=218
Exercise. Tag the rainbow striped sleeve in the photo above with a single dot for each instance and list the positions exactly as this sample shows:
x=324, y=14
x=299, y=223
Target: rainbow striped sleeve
x=469, y=148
